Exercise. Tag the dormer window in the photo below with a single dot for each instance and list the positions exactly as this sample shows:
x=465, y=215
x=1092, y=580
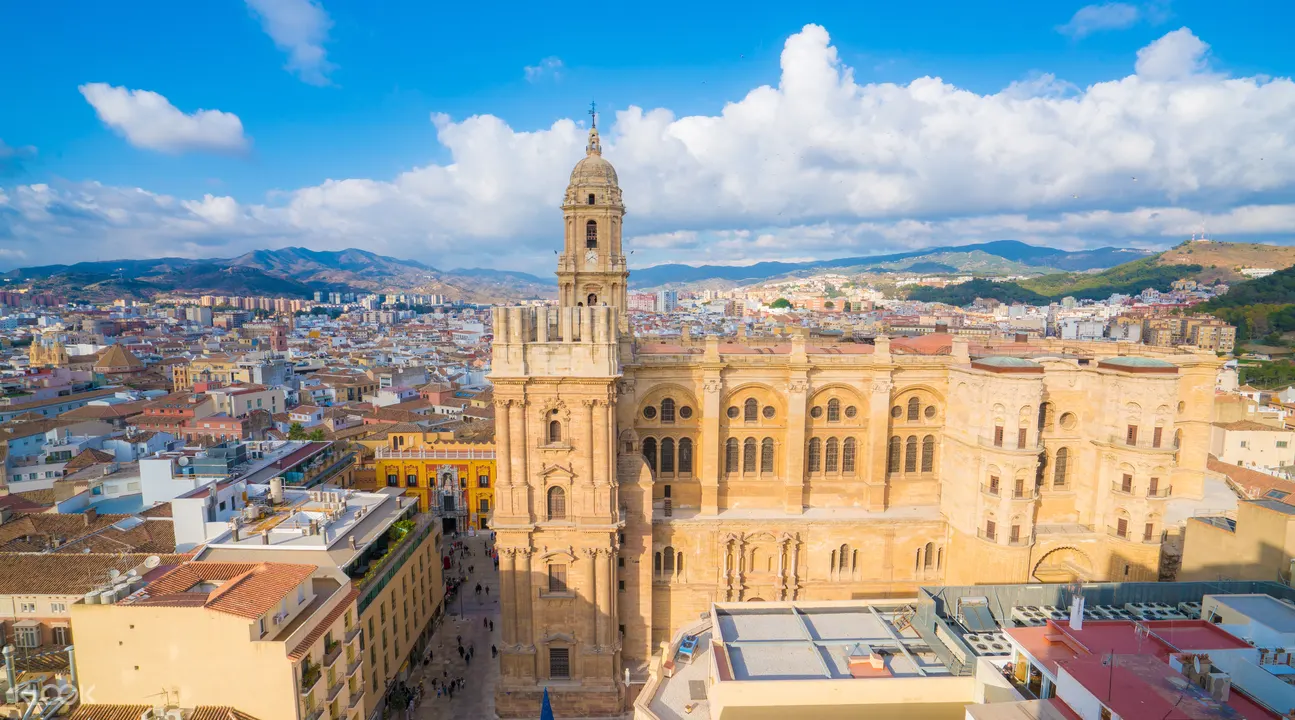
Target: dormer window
x=591, y=198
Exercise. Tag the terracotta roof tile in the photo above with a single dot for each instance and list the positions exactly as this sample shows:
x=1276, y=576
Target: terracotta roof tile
x=244, y=589
x=303, y=647
x=72, y=574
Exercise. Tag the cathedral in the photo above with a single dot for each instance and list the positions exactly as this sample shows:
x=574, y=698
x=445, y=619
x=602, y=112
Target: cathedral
x=638, y=482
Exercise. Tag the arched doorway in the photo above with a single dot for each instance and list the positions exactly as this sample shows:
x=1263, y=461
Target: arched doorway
x=1065, y=564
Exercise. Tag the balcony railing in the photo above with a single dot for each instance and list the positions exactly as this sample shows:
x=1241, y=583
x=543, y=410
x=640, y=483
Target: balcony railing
x=1141, y=444
x=1129, y=536
x=356, y=696
x=353, y=665
x=310, y=675
x=1009, y=443
x=386, y=453
x=1028, y=492
x=1121, y=489
x=992, y=490
x=334, y=690
x=1020, y=541
x=314, y=713
x=378, y=577
x=332, y=651
x=1163, y=491
x=352, y=633
x=987, y=536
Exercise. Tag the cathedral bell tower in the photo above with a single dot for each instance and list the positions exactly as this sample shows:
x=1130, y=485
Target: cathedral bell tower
x=592, y=269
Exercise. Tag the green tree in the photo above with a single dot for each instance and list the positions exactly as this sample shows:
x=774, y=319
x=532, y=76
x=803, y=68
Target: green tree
x=317, y=434
x=296, y=432
x=781, y=303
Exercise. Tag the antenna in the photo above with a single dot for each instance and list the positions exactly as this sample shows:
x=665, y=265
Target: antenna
x=593, y=113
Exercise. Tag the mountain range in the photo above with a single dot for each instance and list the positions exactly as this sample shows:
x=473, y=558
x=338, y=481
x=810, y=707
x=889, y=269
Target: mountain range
x=286, y=272
x=999, y=257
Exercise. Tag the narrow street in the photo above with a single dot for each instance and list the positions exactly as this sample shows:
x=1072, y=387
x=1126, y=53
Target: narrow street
x=467, y=617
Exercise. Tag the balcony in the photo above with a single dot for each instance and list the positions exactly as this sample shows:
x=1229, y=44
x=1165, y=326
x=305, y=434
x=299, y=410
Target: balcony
x=987, y=537
x=991, y=490
x=1142, y=445
x=1020, y=541
x=1026, y=492
x=314, y=713
x=334, y=690
x=1130, y=536
x=352, y=633
x=382, y=570
x=1032, y=446
x=1162, y=491
x=357, y=695
x=310, y=675
x=353, y=666
x=332, y=651
x=386, y=453
x=1121, y=488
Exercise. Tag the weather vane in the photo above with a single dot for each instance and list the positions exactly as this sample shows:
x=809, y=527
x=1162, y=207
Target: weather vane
x=593, y=113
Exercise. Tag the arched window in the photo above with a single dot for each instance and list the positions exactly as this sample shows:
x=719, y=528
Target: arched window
x=667, y=561
x=815, y=455
x=749, y=410
x=928, y=454
x=910, y=454
x=591, y=198
x=892, y=455
x=928, y=562
x=748, y=455
x=555, y=432
x=667, y=410
x=844, y=557
x=685, y=456
x=667, y=455
x=766, y=455
x=833, y=454
x=557, y=503
x=591, y=234
x=649, y=452
x=834, y=410
x=914, y=409
x=831, y=563
x=847, y=455
x=1062, y=466
x=730, y=455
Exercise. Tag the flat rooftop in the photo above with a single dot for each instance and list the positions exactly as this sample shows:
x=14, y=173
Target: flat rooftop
x=1262, y=609
x=789, y=641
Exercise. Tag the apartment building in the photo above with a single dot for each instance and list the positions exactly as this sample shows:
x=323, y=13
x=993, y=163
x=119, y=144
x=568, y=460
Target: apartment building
x=380, y=542
x=277, y=631
x=1253, y=444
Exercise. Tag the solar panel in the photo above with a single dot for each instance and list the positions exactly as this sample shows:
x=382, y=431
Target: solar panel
x=977, y=618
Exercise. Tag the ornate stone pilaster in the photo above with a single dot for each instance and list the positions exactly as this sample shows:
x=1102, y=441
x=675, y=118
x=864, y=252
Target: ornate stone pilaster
x=794, y=454
x=598, y=418
x=589, y=593
x=710, y=448
x=878, y=439
x=525, y=592
x=503, y=448
x=508, y=609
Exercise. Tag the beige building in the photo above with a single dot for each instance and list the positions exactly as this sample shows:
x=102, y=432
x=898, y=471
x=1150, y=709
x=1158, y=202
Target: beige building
x=640, y=482
x=1252, y=444
x=1257, y=542
x=275, y=640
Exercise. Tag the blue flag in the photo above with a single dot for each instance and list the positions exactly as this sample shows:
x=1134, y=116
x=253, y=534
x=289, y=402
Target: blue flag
x=546, y=710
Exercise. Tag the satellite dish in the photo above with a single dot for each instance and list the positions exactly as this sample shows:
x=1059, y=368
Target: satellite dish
x=1196, y=664
x=152, y=562
x=184, y=461
x=114, y=573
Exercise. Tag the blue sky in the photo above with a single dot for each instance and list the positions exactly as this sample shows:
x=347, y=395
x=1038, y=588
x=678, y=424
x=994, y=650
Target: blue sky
x=313, y=92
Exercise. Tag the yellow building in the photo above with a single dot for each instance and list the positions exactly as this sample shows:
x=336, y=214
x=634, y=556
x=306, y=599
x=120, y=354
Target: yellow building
x=458, y=478
x=642, y=481
x=221, y=369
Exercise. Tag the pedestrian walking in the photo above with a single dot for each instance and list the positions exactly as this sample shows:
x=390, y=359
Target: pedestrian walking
x=492, y=626
x=468, y=660
x=487, y=591
x=461, y=652
x=494, y=652
x=478, y=588
x=485, y=622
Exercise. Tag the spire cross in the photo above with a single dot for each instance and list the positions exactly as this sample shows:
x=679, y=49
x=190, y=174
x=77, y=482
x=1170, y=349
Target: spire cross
x=593, y=113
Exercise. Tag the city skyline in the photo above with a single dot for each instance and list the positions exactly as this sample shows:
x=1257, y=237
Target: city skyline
x=1116, y=124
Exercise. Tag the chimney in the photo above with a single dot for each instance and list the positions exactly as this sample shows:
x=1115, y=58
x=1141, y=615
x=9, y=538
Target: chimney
x=89, y=516
x=350, y=540
x=265, y=537
x=1077, y=612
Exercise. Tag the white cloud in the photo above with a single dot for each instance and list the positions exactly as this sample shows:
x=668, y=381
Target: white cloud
x=299, y=28
x=148, y=120
x=1096, y=18
x=1178, y=55
x=815, y=165
x=549, y=67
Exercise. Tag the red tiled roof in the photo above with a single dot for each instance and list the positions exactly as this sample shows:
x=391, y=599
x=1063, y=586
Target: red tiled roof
x=245, y=589
x=322, y=627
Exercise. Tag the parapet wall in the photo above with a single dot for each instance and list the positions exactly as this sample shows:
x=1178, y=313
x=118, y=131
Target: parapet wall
x=555, y=342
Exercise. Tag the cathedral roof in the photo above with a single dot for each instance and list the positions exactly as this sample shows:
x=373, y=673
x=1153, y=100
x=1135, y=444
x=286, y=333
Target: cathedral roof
x=117, y=359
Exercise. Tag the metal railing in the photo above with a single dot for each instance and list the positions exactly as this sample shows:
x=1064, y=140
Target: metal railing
x=1162, y=491
x=395, y=559
x=386, y=453
x=1009, y=443
x=1145, y=444
x=1028, y=492
x=1129, y=536
x=1121, y=488
x=987, y=536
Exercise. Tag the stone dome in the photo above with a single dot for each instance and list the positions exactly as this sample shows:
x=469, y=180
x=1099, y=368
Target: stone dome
x=593, y=169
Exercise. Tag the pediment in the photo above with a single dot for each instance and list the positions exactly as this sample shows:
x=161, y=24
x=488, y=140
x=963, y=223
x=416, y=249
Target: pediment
x=556, y=471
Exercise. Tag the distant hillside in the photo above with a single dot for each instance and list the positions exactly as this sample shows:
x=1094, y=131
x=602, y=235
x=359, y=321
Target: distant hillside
x=1221, y=260
x=1261, y=309
x=286, y=272
x=1000, y=257
x=1127, y=279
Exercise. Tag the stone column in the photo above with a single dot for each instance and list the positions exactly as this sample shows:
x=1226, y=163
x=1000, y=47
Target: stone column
x=508, y=612
x=782, y=572
x=794, y=545
x=728, y=583
x=525, y=591
x=590, y=451
x=605, y=593
x=610, y=409
x=593, y=639
x=599, y=417
x=518, y=447
x=710, y=448
x=874, y=470
x=503, y=462
x=793, y=474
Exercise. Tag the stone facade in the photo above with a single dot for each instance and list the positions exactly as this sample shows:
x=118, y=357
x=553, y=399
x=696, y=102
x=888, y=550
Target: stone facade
x=638, y=483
